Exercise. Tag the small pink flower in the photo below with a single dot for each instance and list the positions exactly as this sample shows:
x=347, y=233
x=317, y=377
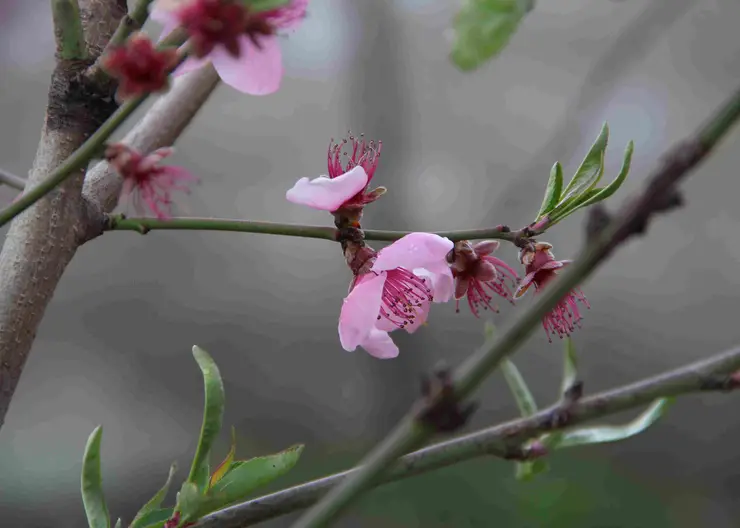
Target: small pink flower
x=390, y=296
x=476, y=273
x=243, y=46
x=347, y=181
x=146, y=179
x=139, y=66
x=540, y=266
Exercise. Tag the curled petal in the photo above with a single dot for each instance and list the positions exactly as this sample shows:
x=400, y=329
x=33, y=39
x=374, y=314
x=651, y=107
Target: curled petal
x=486, y=247
x=527, y=281
x=485, y=271
x=379, y=344
x=441, y=281
x=552, y=265
x=415, y=250
x=360, y=312
x=328, y=194
x=461, y=287
x=257, y=70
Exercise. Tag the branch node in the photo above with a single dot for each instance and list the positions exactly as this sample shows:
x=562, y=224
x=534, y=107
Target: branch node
x=441, y=409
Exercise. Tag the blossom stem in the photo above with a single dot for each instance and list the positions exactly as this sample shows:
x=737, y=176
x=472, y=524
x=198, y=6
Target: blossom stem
x=11, y=180
x=70, y=37
x=144, y=225
x=502, y=440
x=90, y=149
x=659, y=195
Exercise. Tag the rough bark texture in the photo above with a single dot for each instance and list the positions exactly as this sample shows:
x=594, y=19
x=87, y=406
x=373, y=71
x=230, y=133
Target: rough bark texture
x=42, y=240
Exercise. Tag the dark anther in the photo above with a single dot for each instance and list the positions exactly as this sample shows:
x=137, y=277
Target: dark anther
x=441, y=409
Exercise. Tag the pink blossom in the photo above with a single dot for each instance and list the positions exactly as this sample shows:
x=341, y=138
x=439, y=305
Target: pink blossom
x=139, y=66
x=540, y=266
x=476, y=273
x=146, y=180
x=242, y=45
x=346, y=184
x=390, y=296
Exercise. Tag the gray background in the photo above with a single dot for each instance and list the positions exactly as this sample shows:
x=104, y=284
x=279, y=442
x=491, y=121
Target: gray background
x=459, y=151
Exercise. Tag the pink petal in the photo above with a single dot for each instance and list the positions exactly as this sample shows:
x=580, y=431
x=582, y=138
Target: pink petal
x=168, y=20
x=551, y=265
x=442, y=283
x=190, y=64
x=527, y=281
x=461, y=287
x=256, y=71
x=360, y=312
x=328, y=194
x=415, y=250
x=380, y=345
x=486, y=247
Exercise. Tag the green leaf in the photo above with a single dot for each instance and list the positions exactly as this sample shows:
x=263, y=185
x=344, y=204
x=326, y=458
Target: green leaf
x=224, y=466
x=591, y=169
x=256, y=6
x=202, y=475
x=189, y=501
x=610, y=189
x=483, y=28
x=570, y=366
x=522, y=395
x=213, y=411
x=528, y=470
x=244, y=479
x=156, y=501
x=118, y=523
x=611, y=433
x=156, y=517
x=92, y=483
x=567, y=208
x=553, y=191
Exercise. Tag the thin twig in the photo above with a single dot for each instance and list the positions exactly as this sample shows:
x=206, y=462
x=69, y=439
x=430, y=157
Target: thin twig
x=87, y=151
x=659, y=195
x=11, y=180
x=144, y=225
x=68, y=33
x=500, y=440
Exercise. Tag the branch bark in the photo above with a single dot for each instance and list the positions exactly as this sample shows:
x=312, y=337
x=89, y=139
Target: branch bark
x=42, y=240
x=500, y=440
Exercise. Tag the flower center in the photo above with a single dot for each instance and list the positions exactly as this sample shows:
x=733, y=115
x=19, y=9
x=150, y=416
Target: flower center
x=404, y=296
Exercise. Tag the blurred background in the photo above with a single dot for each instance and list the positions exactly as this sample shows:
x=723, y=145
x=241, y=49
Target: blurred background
x=459, y=151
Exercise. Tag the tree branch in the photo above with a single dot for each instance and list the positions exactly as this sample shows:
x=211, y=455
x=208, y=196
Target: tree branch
x=160, y=127
x=144, y=225
x=659, y=195
x=41, y=242
x=501, y=440
x=11, y=180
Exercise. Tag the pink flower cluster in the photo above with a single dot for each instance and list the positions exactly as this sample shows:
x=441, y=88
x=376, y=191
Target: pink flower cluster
x=395, y=287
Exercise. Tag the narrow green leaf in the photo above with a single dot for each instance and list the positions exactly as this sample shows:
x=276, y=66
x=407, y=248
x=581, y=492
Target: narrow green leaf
x=591, y=169
x=224, y=466
x=202, y=475
x=244, y=479
x=483, y=28
x=528, y=470
x=610, y=189
x=92, y=483
x=156, y=501
x=567, y=208
x=553, y=191
x=189, y=501
x=611, y=433
x=152, y=518
x=522, y=395
x=570, y=366
x=212, y=412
